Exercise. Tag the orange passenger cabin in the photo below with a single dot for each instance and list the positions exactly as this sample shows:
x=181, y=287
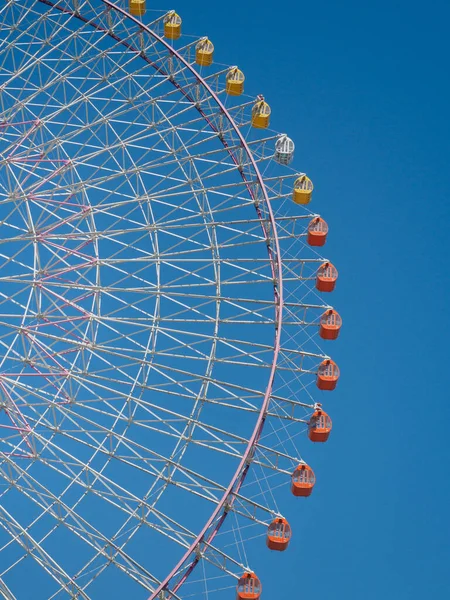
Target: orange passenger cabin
x=317, y=232
x=303, y=480
x=330, y=324
x=319, y=426
x=327, y=375
x=326, y=277
x=278, y=535
x=249, y=587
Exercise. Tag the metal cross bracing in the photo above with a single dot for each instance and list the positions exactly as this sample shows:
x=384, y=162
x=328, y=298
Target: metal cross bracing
x=83, y=529
x=141, y=283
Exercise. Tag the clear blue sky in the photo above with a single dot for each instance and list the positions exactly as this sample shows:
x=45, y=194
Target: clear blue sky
x=363, y=89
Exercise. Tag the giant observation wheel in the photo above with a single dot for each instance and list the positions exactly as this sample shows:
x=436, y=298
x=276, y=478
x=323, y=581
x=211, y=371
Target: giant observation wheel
x=161, y=304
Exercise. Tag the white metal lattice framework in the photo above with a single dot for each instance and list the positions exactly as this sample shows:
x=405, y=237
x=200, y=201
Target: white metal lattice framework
x=154, y=276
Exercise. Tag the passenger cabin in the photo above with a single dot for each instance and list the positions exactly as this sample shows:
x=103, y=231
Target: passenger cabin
x=172, y=25
x=303, y=189
x=279, y=535
x=261, y=114
x=303, y=480
x=327, y=375
x=204, y=52
x=137, y=7
x=284, y=150
x=249, y=587
x=319, y=426
x=330, y=325
x=317, y=232
x=235, y=82
x=326, y=277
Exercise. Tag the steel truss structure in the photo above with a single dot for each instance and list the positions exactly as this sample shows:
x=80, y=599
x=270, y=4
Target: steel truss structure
x=158, y=316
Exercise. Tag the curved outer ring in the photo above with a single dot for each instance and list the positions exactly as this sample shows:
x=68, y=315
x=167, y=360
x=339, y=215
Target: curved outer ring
x=239, y=476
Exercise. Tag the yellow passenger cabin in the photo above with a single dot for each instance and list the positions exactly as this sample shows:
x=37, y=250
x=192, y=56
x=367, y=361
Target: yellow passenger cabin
x=261, y=115
x=235, y=82
x=303, y=189
x=137, y=7
x=172, y=25
x=204, y=52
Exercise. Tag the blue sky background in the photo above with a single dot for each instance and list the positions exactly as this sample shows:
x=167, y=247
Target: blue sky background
x=363, y=90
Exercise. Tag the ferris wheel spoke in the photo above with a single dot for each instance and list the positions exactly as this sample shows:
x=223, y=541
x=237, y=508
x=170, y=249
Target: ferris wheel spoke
x=134, y=513
x=275, y=460
x=250, y=510
x=162, y=420
x=217, y=486
x=112, y=493
x=182, y=536
x=140, y=458
x=5, y=591
x=81, y=528
x=34, y=549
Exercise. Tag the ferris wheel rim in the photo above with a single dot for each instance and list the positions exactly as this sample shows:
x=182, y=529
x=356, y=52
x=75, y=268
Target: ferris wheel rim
x=276, y=267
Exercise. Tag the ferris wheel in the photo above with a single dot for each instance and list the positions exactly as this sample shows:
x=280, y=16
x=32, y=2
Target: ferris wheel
x=162, y=300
